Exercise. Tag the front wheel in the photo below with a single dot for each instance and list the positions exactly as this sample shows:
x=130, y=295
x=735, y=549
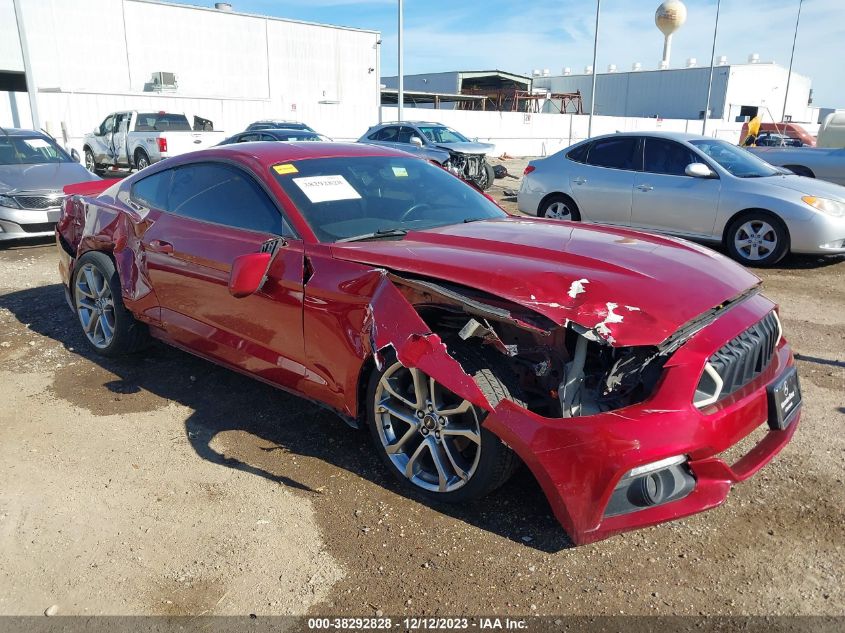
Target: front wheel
x=432, y=439
x=90, y=163
x=106, y=323
x=485, y=179
x=757, y=239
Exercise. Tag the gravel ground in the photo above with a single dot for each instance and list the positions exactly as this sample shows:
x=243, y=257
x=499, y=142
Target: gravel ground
x=132, y=486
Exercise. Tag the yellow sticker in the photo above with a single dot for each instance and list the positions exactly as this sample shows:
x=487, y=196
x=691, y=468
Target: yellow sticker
x=287, y=168
x=400, y=172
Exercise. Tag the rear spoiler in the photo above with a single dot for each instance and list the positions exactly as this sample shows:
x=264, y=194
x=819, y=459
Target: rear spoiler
x=89, y=188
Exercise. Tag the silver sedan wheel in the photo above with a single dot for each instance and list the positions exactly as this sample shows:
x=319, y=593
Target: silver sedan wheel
x=431, y=435
x=90, y=165
x=756, y=240
x=94, y=305
x=558, y=211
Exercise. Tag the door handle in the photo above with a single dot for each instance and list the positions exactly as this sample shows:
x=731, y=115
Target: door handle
x=579, y=181
x=645, y=187
x=160, y=246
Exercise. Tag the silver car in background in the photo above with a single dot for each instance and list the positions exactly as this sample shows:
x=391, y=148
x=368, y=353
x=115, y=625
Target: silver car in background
x=33, y=171
x=438, y=143
x=691, y=186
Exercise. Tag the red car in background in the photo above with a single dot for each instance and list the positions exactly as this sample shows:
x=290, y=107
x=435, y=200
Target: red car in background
x=616, y=365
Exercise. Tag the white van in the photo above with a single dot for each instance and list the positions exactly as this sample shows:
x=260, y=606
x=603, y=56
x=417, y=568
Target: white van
x=832, y=131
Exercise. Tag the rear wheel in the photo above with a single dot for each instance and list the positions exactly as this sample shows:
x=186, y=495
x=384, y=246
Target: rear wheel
x=142, y=161
x=90, y=163
x=432, y=439
x=106, y=323
x=757, y=239
x=559, y=207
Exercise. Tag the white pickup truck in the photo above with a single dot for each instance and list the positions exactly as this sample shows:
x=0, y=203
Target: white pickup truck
x=138, y=139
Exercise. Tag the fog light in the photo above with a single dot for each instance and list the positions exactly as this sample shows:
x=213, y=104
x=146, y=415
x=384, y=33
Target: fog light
x=649, y=485
x=648, y=468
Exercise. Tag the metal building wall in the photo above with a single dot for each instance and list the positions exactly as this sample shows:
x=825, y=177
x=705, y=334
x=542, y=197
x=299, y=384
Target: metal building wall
x=91, y=57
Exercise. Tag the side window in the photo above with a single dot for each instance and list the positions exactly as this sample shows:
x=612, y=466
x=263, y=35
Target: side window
x=615, y=153
x=248, y=138
x=579, y=154
x=106, y=126
x=388, y=134
x=405, y=134
x=663, y=156
x=151, y=192
x=268, y=137
x=224, y=195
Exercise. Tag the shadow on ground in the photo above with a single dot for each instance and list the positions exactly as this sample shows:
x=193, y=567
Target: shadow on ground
x=222, y=401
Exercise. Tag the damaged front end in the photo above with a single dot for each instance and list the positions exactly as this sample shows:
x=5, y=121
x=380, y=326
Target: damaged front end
x=471, y=167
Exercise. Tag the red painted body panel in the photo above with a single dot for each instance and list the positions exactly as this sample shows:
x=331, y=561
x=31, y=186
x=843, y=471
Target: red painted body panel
x=326, y=311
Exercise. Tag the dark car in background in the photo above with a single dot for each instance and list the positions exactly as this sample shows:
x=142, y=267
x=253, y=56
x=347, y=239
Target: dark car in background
x=285, y=136
x=33, y=171
x=278, y=124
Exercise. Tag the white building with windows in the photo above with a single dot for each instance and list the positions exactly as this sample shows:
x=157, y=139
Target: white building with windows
x=88, y=58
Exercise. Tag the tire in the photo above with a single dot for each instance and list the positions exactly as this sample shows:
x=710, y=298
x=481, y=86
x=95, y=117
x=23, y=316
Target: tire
x=485, y=180
x=486, y=463
x=800, y=170
x=109, y=328
x=142, y=161
x=90, y=163
x=757, y=238
x=559, y=207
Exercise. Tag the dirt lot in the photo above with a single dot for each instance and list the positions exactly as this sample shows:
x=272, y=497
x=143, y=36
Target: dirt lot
x=162, y=484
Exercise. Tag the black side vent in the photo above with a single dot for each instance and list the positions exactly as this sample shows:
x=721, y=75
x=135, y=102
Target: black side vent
x=745, y=357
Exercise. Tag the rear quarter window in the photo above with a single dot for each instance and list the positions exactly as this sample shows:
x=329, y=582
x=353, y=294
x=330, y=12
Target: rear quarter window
x=579, y=154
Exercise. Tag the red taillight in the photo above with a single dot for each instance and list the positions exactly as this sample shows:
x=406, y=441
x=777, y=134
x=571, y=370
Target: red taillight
x=162, y=144
x=528, y=170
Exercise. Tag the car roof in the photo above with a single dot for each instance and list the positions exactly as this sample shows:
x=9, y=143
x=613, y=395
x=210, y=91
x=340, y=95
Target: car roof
x=15, y=131
x=272, y=153
x=408, y=123
x=282, y=130
x=675, y=136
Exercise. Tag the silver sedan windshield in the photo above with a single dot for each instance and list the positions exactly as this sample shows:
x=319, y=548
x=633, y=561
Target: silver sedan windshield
x=736, y=160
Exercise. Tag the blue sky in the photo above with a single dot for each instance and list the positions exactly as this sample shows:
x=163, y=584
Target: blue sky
x=516, y=36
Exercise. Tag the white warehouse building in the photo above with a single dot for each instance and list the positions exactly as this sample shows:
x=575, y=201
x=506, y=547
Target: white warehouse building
x=92, y=57
x=739, y=90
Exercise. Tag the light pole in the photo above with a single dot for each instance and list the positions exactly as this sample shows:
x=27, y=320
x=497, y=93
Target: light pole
x=595, y=50
x=791, y=59
x=401, y=95
x=710, y=80
x=31, y=89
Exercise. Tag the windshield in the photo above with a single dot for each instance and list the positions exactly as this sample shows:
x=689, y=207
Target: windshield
x=298, y=136
x=162, y=122
x=738, y=161
x=30, y=150
x=343, y=198
x=442, y=134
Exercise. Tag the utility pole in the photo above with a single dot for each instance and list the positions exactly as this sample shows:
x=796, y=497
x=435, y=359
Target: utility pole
x=595, y=50
x=401, y=95
x=31, y=89
x=791, y=59
x=710, y=81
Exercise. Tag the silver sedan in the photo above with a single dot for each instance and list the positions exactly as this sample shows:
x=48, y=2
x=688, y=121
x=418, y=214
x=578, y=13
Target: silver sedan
x=695, y=187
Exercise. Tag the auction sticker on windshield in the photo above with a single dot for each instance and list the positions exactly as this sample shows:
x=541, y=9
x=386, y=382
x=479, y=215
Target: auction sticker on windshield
x=286, y=168
x=327, y=188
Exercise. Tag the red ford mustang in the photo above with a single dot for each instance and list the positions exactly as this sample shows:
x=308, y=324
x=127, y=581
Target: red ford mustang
x=616, y=365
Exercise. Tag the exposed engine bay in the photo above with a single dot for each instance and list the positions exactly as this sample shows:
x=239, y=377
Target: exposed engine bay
x=564, y=370
x=469, y=167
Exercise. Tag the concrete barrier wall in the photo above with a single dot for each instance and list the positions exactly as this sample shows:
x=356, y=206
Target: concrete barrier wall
x=541, y=134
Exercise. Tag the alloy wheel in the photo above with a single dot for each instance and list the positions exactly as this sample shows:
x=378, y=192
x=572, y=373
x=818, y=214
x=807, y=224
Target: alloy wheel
x=431, y=436
x=558, y=211
x=89, y=162
x=143, y=162
x=94, y=305
x=755, y=240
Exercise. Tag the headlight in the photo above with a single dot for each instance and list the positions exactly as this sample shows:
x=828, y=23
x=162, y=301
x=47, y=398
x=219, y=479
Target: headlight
x=9, y=201
x=825, y=205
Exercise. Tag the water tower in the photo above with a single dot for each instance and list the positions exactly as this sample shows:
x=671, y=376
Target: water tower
x=669, y=17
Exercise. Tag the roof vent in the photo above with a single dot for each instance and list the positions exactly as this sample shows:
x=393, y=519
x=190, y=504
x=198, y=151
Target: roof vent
x=567, y=71
x=723, y=60
x=754, y=58
x=611, y=68
x=637, y=67
x=223, y=6
x=536, y=72
x=545, y=72
x=588, y=70
x=692, y=62
x=663, y=65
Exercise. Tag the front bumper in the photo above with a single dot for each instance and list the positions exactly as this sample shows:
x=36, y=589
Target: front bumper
x=822, y=235
x=579, y=461
x=21, y=223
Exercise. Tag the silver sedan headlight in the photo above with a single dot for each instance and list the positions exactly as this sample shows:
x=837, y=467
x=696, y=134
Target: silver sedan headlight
x=826, y=205
x=9, y=201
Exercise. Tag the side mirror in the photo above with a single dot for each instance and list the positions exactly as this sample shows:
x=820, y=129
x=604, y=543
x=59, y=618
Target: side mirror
x=74, y=155
x=416, y=141
x=699, y=170
x=247, y=274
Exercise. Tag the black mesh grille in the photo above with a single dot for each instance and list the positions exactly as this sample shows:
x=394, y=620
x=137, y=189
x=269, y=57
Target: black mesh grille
x=745, y=357
x=39, y=202
x=41, y=227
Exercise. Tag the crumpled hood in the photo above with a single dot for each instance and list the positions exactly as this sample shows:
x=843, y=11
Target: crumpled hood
x=631, y=288
x=467, y=148
x=807, y=186
x=42, y=177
